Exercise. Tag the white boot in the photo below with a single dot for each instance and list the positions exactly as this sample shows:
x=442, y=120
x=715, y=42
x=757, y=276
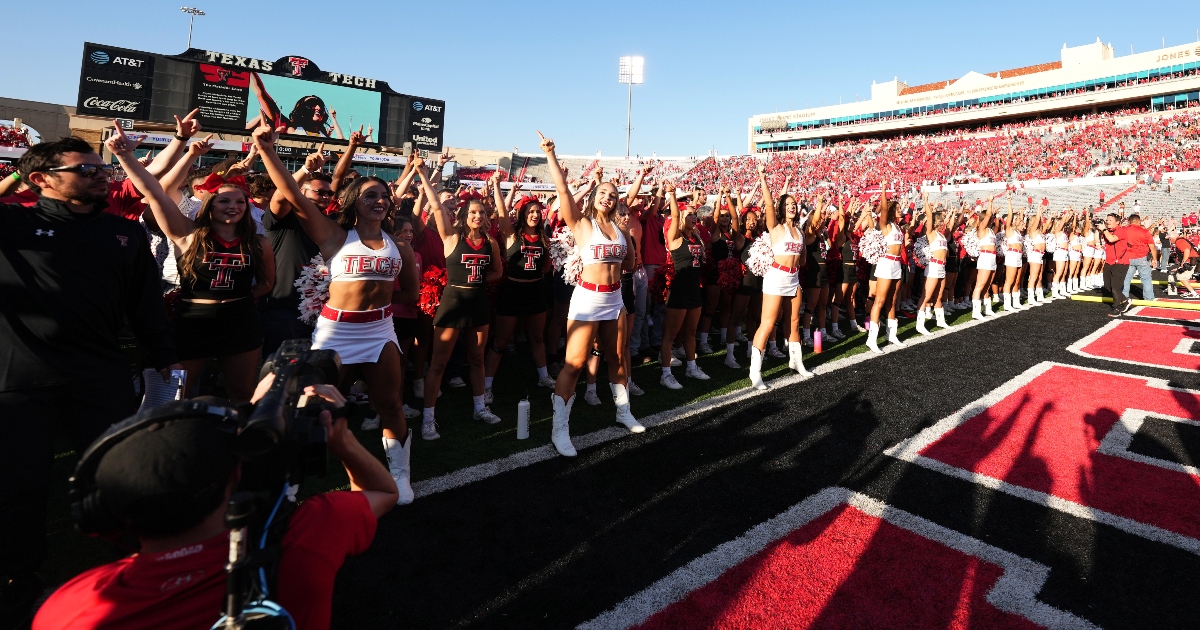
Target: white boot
x=976, y=309
x=1008, y=302
x=796, y=358
x=987, y=308
x=893, y=325
x=1030, y=302
x=873, y=337
x=1041, y=295
x=940, y=315
x=560, y=434
x=624, y=416
x=398, y=457
x=921, y=322
x=756, y=357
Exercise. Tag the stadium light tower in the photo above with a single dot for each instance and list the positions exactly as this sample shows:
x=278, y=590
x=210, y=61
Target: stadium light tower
x=192, y=13
x=630, y=72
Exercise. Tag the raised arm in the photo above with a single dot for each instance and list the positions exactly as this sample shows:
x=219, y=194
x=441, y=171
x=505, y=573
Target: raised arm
x=172, y=222
x=673, y=230
x=928, y=217
x=768, y=200
x=347, y=158
x=315, y=161
x=502, y=222
x=185, y=128
x=636, y=188
x=321, y=229
x=568, y=207
x=172, y=182
x=445, y=230
x=981, y=229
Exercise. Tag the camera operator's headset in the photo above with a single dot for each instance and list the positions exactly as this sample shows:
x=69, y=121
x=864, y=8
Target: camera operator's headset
x=87, y=508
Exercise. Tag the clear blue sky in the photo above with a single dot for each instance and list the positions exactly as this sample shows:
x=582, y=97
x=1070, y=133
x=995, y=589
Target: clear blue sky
x=505, y=69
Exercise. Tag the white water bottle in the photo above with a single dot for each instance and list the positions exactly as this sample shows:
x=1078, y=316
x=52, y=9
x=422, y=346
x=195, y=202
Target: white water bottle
x=523, y=419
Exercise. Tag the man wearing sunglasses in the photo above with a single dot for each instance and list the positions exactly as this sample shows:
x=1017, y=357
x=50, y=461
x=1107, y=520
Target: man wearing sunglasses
x=72, y=276
x=279, y=313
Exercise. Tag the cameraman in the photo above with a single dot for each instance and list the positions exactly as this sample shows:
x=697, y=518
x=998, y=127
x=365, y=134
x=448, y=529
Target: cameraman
x=171, y=484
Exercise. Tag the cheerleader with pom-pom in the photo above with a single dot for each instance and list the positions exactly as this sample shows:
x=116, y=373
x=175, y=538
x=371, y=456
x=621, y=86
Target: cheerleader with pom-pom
x=1035, y=254
x=985, y=264
x=935, y=253
x=684, y=298
x=1014, y=252
x=747, y=297
x=888, y=271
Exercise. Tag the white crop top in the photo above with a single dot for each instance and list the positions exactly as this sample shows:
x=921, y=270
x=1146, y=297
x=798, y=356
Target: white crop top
x=938, y=242
x=895, y=237
x=602, y=250
x=789, y=246
x=355, y=262
x=1014, y=241
x=988, y=239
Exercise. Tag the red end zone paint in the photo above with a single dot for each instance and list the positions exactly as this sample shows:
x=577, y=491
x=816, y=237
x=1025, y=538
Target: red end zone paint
x=1166, y=313
x=1044, y=436
x=1142, y=343
x=847, y=569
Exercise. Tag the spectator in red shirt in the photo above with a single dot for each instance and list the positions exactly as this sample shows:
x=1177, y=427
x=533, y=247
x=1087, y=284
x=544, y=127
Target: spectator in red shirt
x=171, y=487
x=1116, y=263
x=1143, y=256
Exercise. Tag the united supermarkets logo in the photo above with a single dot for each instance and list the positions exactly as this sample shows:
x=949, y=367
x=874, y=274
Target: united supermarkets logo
x=99, y=57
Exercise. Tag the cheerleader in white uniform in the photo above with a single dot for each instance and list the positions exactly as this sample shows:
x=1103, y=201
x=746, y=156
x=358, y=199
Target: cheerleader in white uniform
x=1036, y=250
x=985, y=266
x=888, y=270
x=781, y=285
x=1090, y=269
x=596, y=304
x=1062, y=249
x=1075, y=258
x=357, y=320
x=1014, y=259
x=936, y=224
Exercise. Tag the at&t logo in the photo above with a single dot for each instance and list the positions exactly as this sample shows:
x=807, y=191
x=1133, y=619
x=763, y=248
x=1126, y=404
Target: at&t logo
x=99, y=57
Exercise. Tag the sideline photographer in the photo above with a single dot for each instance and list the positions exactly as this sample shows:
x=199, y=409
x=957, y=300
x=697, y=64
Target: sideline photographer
x=171, y=483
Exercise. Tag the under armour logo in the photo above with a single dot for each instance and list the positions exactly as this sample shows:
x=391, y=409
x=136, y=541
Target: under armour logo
x=44, y=232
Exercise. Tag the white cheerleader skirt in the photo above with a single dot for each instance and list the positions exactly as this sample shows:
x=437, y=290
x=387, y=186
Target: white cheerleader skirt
x=888, y=267
x=588, y=304
x=1075, y=256
x=1013, y=259
x=1060, y=255
x=935, y=269
x=354, y=341
x=1089, y=252
x=780, y=280
x=986, y=261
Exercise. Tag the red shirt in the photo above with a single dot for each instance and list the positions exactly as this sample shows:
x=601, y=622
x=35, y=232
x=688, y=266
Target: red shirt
x=1139, y=238
x=185, y=588
x=654, y=249
x=429, y=245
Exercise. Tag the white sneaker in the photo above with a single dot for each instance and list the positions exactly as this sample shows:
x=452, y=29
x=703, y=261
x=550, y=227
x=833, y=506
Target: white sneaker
x=731, y=361
x=742, y=338
x=429, y=430
x=546, y=381
x=370, y=424
x=668, y=381
x=704, y=349
x=488, y=397
x=676, y=362
x=696, y=373
x=456, y=382
x=591, y=398
x=775, y=353
x=486, y=415
x=836, y=334
x=679, y=353
x=635, y=390
x=409, y=412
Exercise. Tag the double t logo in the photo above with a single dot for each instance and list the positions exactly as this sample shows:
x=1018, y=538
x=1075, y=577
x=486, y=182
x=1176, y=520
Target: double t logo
x=476, y=263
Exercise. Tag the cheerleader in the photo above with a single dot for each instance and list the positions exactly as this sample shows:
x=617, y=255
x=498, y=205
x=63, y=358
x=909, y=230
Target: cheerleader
x=224, y=266
x=935, y=271
x=849, y=231
x=406, y=315
x=628, y=295
x=1075, y=256
x=888, y=272
x=720, y=247
x=1091, y=266
x=1062, y=249
x=1036, y=250
x=747, y=301
x=816, y=272
x=472, y=261
x=523, y=293
x=782, y=281
x=985, y=264
x=364, y=263
x=596, y=305
x=1014, y=251
x=684, y=298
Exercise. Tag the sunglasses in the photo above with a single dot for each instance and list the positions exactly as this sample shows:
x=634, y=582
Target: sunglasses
x=321, y=193
x=86, y=170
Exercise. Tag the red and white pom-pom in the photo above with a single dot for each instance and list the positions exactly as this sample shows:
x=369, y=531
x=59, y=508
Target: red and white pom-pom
x=970, y=243
x=921, y=251
x=565, y=256
x=872, y=245
x=433, y=281
x=660, y=284
x=313, y=287
x=761, y=255
x=1030, y=253
x=1051, y=244
x=730, y=273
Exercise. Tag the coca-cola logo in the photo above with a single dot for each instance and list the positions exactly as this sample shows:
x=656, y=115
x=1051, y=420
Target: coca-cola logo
x=122, y=106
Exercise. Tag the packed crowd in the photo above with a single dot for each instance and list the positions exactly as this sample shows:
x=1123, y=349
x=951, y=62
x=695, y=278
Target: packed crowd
x=423, y=288
x=1150, y=148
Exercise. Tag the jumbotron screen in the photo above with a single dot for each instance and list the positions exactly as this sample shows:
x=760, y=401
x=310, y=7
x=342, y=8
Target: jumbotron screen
x=233, y=92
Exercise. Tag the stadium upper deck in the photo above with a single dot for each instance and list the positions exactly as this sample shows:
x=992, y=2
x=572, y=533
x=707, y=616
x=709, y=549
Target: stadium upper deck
x=1087, y=79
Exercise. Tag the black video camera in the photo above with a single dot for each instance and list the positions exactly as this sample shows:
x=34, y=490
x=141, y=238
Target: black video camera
x=283, y=434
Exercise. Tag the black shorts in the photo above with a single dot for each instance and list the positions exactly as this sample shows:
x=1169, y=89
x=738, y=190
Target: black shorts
x=685, y=292
x=406, y=327
x=952, y=264
x=201, y=331
x=816, y=276
x=561, y=290
x=849, y=274
x=521, y=298
x=462, y=308
x=627, y=296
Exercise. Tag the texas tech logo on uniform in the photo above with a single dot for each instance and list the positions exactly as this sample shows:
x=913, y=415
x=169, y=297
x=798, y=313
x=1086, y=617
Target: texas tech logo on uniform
x=793, y=247
x=476, y=263
x=608, y=251
x=533, y=256
x=224, y=263
x=372, y=265
x=697, y=251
